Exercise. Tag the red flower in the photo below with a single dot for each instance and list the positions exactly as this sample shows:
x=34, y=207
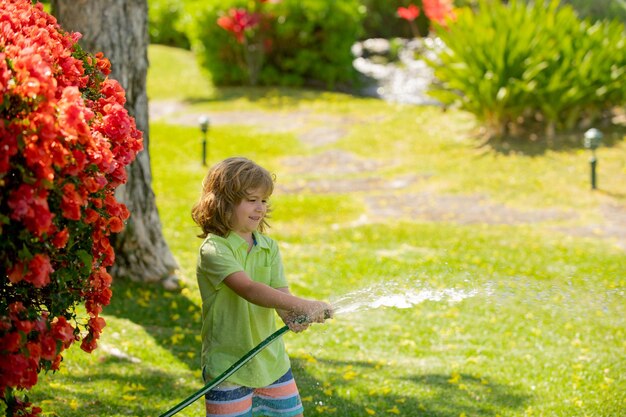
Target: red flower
x=226, y=23
x=73, y=115
x=10, y=342
x=39, y=270
x=102, y=250
x=238, y=21
x=91, y=216
x=34, y=350
x=18, y=371
x=95, y=326
x=16, y=308
x=115, y=124
x=16, y=272
x=93, y=308
x=409, y=13
x=63, y=331
x=71, y=202
x=112, y=92
x=56, y=363
x=24, y=326
x=103, y=64
x=439, y=11
x=31, y=207
x=60, y=239
x=48, y=347
x=115, y=224
x=89, y=344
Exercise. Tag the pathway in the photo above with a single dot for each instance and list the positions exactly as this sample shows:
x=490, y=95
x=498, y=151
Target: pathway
x=405, y=83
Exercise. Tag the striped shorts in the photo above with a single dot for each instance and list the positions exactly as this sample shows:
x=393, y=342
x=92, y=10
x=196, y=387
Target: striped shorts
x=280, y=399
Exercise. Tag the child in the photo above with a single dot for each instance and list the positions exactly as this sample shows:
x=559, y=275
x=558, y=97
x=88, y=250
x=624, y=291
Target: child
x=242, y=282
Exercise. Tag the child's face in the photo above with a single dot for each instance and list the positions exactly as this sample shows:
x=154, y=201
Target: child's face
x=250, y=212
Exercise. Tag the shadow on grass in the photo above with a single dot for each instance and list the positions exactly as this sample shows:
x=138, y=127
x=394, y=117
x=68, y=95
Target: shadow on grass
x=278, y=96
x=134, y=392
x=173, y=321
x=538, y=144
x=430, y=395
x=169, y=317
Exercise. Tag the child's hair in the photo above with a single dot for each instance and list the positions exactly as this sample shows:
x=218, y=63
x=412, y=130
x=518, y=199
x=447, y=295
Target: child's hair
x=226, y=184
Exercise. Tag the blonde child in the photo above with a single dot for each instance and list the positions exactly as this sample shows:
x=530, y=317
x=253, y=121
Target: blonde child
x=242, y=282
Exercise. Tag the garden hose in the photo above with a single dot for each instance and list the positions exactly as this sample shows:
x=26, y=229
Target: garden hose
x=234, y=368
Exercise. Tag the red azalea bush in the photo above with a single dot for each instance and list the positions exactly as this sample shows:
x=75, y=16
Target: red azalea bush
x=65, y=140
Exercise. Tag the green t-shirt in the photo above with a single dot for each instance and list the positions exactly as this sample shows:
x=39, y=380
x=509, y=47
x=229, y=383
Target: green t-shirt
x=232, y=326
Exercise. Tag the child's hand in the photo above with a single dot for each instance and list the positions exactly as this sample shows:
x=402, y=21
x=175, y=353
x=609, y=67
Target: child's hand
x=296, y=322
x=308, y=313
x=318, y=311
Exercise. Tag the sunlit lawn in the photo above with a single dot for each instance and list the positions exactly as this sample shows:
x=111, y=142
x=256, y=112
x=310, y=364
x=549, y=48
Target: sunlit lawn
x=544, y=336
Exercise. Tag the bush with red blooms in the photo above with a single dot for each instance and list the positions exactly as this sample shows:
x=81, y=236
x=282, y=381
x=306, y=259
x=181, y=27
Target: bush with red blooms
x=247, y=28
x=437, y=11
x=65, y=140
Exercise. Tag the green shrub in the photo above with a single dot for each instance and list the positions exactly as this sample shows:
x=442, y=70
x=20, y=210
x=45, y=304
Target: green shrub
x=515, y=65
x=593, y=9
x=164, y=23
x=216, y=50
x=304, y=42
x=600, y=9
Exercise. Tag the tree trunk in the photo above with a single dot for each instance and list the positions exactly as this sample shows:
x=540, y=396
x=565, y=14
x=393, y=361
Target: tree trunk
x=119, y=29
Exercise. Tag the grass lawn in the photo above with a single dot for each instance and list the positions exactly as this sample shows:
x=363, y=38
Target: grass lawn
x=543, y=335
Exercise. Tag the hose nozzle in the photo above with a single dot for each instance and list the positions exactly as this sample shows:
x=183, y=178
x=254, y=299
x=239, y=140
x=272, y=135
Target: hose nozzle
x=303, y=319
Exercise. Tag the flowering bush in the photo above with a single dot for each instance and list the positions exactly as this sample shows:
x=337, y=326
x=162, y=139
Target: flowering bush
x=246, y=26
x=287, y=43
x=65, y=140
x=409, y=14
x=437, y=11
x=238, y=21
x=523, y=67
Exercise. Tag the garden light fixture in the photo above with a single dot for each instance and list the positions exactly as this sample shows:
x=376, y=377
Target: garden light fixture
x=593, y=137
x=204, y=128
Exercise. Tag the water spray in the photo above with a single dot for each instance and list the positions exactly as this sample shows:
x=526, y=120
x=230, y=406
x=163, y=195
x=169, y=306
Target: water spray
x=384, y=295
x=394, y=294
